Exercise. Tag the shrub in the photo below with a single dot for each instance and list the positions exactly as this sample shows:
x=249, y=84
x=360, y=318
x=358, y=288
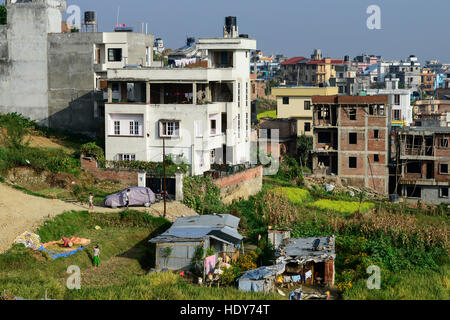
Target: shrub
x=202, y=195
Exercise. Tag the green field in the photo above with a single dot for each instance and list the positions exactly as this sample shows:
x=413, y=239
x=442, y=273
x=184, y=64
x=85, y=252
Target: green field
x=126, y=256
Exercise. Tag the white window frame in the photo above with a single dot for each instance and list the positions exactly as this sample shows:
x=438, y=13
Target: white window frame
x=171, y=127
x=127, y=157
x=117, y=127
x=134, y=128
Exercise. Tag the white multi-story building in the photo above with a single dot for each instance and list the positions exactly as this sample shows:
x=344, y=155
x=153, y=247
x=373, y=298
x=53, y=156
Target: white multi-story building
x=399, y=99
x=201, y=113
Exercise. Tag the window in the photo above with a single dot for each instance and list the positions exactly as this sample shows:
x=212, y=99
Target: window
x=324, y=137
x=116, y=127
x=397, y=99
x=352, y=138
x=443, y=192
x=239, y=126
x=246, y=124
x=239, y=94
x=127, y=157
x=396, y=115
x=375, y=134
x=285, y=100
x=168, y=129
x=114, y=55
x=307, y=105
x=352, y=114
x=443, y=168
x=213, y=127
x=134, y=128
x=413, y=167
x=444, y=143
x=307, y=126
x=352, y=163
x=376, y=158
x=413, y=192
x=246, y=94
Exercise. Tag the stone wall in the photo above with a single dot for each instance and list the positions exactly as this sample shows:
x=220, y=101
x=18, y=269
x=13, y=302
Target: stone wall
x=240, y=185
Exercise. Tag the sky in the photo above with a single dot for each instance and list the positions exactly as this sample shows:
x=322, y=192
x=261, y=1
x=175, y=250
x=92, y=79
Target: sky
x=293, y=27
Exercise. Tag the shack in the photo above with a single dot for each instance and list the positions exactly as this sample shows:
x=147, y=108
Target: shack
x=261, y=279
x=188, y=233
x=312, y=256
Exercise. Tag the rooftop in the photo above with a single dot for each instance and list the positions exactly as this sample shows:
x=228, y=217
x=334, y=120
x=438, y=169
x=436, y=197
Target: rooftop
x=307, y=249
x=222, y=227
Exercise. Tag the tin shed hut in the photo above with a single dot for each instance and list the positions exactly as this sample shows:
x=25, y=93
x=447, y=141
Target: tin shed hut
x=316, y=255
x=188, y=233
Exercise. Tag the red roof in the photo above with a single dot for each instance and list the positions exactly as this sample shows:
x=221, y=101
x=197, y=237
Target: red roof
x=337, y=61
x=293, y=60
x=316, y=62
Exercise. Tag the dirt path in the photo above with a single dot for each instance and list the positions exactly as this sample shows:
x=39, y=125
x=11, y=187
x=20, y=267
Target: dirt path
x=20, y=212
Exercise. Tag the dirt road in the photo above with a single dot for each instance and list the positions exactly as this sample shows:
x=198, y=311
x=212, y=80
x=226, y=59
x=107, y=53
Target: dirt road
x=20, y=212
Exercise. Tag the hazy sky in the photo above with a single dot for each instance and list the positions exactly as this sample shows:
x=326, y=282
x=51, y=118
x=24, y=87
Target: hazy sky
x=294, y=27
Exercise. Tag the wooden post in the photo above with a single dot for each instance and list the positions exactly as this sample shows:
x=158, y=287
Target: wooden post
x=164, y=173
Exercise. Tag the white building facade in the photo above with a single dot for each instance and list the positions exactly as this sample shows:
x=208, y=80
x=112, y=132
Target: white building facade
x=399, y=99
x=201, y=114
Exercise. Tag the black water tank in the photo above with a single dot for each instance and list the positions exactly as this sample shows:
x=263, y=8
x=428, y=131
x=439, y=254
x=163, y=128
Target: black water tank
x=243, y=36
x=190, y=40
x=89, y=17
x=230, y=21
x=346, y=58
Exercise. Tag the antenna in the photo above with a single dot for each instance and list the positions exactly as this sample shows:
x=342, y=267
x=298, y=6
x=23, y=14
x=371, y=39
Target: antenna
x=118, y=13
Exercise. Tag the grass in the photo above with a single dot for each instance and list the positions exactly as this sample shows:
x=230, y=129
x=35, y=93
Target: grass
x=166, y=286
x=407, y=285
x=295, y=195
x=346, y=207
x=268, y=114
x=126, y=256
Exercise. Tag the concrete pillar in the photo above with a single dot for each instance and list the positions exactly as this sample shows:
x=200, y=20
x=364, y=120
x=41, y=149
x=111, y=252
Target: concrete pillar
x=147, y=92
x=208, y=93
x=161, y=94
x=110, y=97
x=194, y=93
x=142, y=179
x=179, y=186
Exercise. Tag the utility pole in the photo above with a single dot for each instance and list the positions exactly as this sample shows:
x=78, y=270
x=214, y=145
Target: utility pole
x=164, y=174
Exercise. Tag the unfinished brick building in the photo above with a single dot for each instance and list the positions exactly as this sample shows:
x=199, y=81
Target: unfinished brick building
x=423, y=157
x=351, y=139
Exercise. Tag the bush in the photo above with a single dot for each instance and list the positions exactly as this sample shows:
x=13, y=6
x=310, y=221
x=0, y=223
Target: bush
x=202, y=195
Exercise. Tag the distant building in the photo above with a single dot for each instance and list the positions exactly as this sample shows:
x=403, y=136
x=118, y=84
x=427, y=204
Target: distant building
x=314, y=72
x=296, y=103
x=423, y=157
x=409, y=72
x=432, y=113
x=400, y=101
x=352, y=139
x=428, y=81
x=287, y=136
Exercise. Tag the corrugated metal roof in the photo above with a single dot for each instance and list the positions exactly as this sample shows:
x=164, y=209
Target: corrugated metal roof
x=307, y=249
x=222, y=226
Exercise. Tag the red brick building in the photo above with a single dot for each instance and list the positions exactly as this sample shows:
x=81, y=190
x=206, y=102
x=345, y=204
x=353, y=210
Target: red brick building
x=423, y=157
x=351, y=139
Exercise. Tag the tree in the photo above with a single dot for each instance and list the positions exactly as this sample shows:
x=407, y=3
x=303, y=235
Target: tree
x=14, y=129
x=304, y=146
x=2, y=14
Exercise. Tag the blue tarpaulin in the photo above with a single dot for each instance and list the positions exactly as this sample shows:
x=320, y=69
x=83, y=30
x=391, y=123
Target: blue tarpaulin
x=54, y=255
